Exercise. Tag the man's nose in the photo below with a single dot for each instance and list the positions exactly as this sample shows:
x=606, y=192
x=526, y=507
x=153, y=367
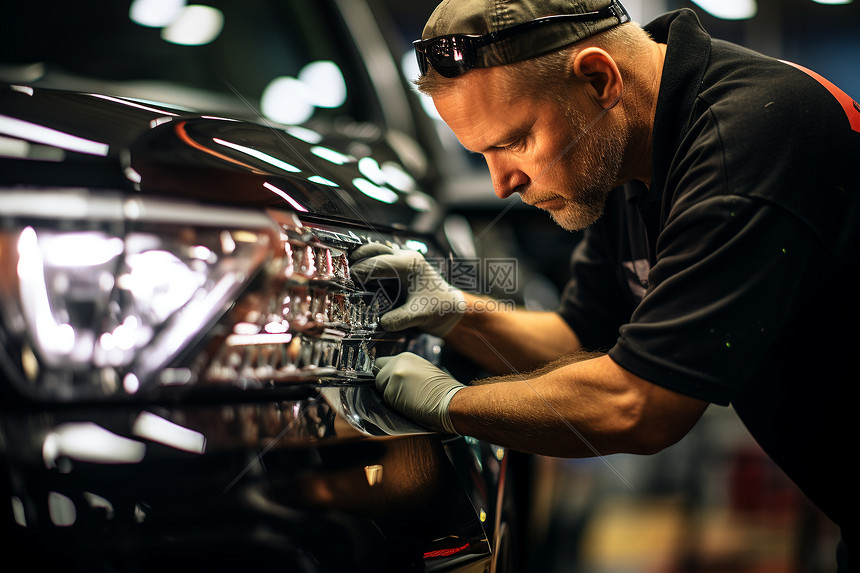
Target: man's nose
x=506, y=178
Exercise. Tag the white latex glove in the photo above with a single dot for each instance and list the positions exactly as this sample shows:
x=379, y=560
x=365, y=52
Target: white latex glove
x=431, y=304
x=417, y=389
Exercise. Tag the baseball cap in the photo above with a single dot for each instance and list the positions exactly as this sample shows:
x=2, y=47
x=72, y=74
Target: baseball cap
x=464, y=34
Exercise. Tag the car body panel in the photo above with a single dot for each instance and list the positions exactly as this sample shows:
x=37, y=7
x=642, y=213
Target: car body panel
x=319, y=432
x=98, y=141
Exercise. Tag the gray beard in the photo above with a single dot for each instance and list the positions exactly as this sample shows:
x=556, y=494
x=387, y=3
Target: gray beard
x=601, y=156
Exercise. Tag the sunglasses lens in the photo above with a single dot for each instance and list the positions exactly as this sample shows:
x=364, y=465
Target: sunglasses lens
x=450, y=56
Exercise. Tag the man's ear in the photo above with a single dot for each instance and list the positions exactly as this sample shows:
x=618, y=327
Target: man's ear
x=598, y=69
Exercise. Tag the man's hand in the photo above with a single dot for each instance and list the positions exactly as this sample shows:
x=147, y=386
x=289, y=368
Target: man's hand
x=417, y=389
x=431, y=304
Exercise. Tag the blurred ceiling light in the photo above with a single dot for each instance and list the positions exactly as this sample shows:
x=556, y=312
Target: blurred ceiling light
x=833, y=2
x=286, y=100
x=196, y=25
x=155, y=13
x=292, y=101
x=327, y=88
x=729, y=9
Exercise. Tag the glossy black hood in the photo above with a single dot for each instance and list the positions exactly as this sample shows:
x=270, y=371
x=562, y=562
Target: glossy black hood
x=58, y=138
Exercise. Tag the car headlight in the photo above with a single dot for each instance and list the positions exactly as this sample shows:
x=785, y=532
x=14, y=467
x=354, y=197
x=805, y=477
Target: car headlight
x=105, y=295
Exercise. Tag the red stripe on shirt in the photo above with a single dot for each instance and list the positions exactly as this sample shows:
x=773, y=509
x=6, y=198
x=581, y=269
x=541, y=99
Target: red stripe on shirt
x=851, y=107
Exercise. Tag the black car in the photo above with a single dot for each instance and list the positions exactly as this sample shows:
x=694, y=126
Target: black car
x=186, y=373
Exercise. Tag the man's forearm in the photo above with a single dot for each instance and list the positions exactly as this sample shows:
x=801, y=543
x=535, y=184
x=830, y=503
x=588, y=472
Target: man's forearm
x=510, y=341
x=579, y=408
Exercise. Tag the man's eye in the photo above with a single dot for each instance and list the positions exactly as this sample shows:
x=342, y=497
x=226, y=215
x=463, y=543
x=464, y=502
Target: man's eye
x=517, y=145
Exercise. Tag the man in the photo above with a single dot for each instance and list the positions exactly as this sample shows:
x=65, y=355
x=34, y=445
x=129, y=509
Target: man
x=719, y=193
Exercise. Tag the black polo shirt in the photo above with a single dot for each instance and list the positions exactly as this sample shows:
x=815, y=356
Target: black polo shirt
x=734, y=277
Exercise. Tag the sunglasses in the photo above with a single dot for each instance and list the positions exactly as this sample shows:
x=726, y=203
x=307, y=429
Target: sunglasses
x=455, y=54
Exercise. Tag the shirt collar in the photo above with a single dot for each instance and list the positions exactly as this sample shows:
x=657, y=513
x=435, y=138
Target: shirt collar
x=687, y=54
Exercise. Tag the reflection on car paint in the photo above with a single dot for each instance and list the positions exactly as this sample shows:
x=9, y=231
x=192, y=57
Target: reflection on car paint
x=187, y=365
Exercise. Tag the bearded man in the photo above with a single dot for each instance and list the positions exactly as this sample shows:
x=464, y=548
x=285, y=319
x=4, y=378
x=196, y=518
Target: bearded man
x=719, y=194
